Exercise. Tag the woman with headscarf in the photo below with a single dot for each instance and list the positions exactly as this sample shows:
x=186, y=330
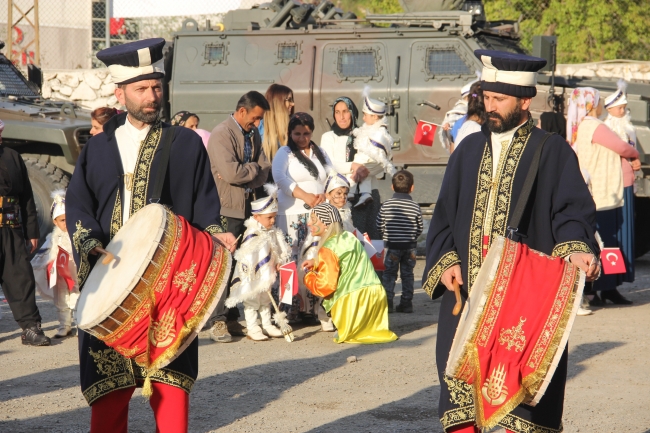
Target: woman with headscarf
x=606, y=158
x=186, y=119
x=300, y=170
x=339, y=142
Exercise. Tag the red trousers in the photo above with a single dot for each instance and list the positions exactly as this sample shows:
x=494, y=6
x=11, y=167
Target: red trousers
x=171, y=407
x=468, y=428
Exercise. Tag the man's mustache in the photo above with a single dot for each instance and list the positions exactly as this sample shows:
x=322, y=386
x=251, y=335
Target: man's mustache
x=494, y=116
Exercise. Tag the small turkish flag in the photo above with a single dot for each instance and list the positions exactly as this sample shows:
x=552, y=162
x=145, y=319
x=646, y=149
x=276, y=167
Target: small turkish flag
x=425, y=133
x=63, y=267
x=378, y=259
x=612, y=260
x=288, y=282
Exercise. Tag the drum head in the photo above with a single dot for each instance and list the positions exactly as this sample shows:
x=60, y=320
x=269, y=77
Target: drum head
x=475, y=305
x=134, y=246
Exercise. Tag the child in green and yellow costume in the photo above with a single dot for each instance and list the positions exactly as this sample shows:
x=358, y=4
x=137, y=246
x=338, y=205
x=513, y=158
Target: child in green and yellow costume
x=343, y=275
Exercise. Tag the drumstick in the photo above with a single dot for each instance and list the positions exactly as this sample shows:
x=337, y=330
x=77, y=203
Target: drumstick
x=109, y=256
x=459, y=302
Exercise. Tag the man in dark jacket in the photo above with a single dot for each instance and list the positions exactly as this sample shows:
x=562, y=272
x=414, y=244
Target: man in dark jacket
x=18, y=223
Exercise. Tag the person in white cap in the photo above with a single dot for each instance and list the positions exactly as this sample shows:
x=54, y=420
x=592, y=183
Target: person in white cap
x=55, y=271
x=262, y=251
x=618, y=116
x=480, y=190
x=373, y=144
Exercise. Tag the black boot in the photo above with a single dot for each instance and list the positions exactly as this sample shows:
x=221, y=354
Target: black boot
x=406, y=307
x=33, y=336
x=595, y=301
x=390, y=305
x=615, y=297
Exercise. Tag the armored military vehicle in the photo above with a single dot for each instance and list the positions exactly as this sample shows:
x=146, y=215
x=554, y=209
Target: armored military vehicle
x=416, y=62
x=49, y=135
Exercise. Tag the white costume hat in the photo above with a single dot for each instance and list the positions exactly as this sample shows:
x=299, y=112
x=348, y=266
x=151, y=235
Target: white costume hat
x=336, y=180
x=58, y=205
x=372, y=106
x=268, y=204
x=617, y=98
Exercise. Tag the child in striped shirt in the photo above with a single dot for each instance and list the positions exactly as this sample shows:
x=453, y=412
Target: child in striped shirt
x=400, y=222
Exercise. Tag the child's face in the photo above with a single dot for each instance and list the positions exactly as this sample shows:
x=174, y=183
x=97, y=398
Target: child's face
x=338, y=196
x=370, y=119
x=267, y=220
x=60, y=223
x=618, y=111
x=316, y=226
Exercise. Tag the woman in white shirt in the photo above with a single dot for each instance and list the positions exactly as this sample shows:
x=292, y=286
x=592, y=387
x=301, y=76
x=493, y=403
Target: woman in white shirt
x=300, y=170
x=338, y=143
x=476, y=115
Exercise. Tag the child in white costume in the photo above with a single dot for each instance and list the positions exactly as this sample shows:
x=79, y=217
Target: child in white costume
x=373, y=144
x=263, y=250
x=618, y=117
x=48, y=264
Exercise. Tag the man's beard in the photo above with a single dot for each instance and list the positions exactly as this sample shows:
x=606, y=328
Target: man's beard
x=510, y=121
x=138, y=113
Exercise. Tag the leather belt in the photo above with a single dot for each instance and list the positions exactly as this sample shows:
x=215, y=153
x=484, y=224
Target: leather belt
x=9, y=212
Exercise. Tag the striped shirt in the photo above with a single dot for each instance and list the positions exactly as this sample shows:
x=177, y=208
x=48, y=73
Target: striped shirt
x=400, y=222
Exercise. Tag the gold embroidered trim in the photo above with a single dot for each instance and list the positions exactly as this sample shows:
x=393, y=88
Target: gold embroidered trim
x=518, y=425
x=83, y=247
x=117, y=369
x=504, y=181
x=214, y=229
x=478, y=217
x=566, y=248
x=445, y=262
x=143, y=168
x=116, y=218
x=166, y=376
x=460, y=394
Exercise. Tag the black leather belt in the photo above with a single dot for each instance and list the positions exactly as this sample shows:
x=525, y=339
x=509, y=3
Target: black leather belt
x=9, y=212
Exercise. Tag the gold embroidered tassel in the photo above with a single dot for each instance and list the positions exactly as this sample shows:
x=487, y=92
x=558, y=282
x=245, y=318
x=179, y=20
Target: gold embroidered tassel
x=147, y=388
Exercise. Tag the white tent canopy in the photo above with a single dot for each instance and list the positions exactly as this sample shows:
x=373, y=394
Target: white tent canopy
x=163, y=8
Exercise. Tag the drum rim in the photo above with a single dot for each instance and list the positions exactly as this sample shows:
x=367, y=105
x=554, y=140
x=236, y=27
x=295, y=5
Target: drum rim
x=105, y=314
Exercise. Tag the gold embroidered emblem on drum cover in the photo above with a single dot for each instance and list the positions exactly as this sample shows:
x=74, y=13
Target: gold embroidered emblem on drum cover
x=162, y=332
x=186, y=279
x=494, y=390
x=514, y=337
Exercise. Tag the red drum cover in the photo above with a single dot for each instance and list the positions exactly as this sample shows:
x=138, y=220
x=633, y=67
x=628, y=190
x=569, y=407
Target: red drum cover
x=514, y=328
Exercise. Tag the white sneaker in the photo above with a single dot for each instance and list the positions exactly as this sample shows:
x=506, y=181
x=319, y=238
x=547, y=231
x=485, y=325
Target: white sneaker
x=256, y=334
x=272, y=331
x=63, y=331
x=584, y=312
x=327, y=326
x=364, y=200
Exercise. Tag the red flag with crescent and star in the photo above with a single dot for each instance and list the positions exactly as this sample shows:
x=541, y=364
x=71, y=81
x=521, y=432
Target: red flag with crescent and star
x=425, y=133
x=612, y=260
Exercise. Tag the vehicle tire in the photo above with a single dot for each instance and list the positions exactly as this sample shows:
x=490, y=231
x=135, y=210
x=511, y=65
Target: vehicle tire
x=641, y=226
x=45, y=179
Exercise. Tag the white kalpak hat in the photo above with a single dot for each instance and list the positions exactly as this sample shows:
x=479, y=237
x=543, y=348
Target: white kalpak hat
x=619, y=97
x=268, y=204
x=336, y=180
x=58, y=205
x=372, y=106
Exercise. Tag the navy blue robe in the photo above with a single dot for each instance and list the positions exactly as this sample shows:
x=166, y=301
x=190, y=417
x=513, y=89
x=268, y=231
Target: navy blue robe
x=559, y=220
x=94, y=215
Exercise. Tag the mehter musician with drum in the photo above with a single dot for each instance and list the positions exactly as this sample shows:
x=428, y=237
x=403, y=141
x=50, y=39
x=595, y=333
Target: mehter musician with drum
x=508, y=363
x=164, y=267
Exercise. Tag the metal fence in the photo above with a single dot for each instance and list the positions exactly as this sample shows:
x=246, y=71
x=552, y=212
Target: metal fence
x=66, y=34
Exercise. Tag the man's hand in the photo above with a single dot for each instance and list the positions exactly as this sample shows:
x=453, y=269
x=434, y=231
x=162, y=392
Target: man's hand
x=588, y=263
x=453, y=273
x=636, y=164
x=32, y=244
x=227, y=240
x=359, y=172
x=308, y=265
